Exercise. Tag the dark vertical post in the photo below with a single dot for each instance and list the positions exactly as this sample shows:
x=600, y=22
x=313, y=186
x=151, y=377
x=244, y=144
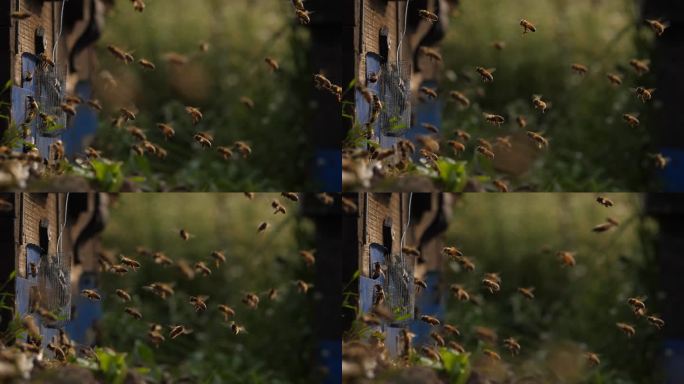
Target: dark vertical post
x=7, y=253
x=5, y=76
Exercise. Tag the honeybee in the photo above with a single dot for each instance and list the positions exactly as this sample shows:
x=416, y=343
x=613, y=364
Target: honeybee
x=493, y=119
x=57, y=350
x=627, y=329
x=567, y=258
x=539, y=140
x=463, y=135
x=640, y=66
x=631, y=120
x=123, y=295
x=136, y=133
x=195, y=114
x=348, y=205
x=657, y=26
x=202, y=268
x=95, y=104
x=147, y=64
x=278, y=207
x=126, y=114
x=614, y=78
x=138, y=5
x=431, y=53
x=290, y=196
x=419, y=283
x=484, y=151
x=528, y=293
x=325, y=198
x=129, y=262
x=162, y=259
x=512, y=345
x=219, y=257
x=20, y=15
x=272, y=294
x=539, y=103
x=460, y=292
x=606, y=202
x=29, y=323
x=644, y=94
x=579, y=69
x=178, y=330
x=592, y=359
x=272, y=64
x=486, y=73
x=439, y=340
x=457, y=146
x=491, y=354
x=500, y=185
x=6, y=206
x=321, y=82
x=225, y=152
x=656, y=321
x=119, y=269
x=491, y=285
x=247, y=102
x=430, y=127
x=244, y=149
x=302, y=286
x=176, y=58
x=120, y=54
x=433, y=321
x=637, y=303
x=237, y=329
x=45, y=61
x=162, y=290
x=659, y=160
x=460, y=98
x=456, y=347
x=91, y=295
x=451, y=329
x=155, y=337
x=527, y=26
x=370, y=319
x=134, y=312
x=452, y=252
x=226, y=311
x=199, y=303
x=303, y=16
x=499, y=45
x=429, y=92
x=185, y=235
x=251, y=300
x=377, y=271
x=602, y=227
x=309, y=257
x=378, y=296
x=262, y=227
x=427, y=15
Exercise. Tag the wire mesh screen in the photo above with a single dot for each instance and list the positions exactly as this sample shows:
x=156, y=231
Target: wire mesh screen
x=399, y=287
x=395, y=93
x=49, y=85
x=55, y=287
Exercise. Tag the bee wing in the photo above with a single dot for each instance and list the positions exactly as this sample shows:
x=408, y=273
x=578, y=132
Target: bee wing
x=491, y=70
x=651, y=90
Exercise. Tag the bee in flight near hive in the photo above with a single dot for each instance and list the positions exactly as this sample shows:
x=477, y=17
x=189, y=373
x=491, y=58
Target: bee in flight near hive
x=657, y=26
x=486, y=73
x=427, y=15
x=527, y=26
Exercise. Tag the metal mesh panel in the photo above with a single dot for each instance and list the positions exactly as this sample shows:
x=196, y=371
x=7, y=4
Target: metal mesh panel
x=395, y=93
x=49, y=85
x=55, y=287
x=399, y=286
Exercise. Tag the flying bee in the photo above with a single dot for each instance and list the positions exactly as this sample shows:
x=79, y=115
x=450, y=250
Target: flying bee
x=123, y=295
x=166, y=130
x=33, y=269
x=378, y=296
x=606, y=202
x=272, y=64
x=429, y=92
x=439, y=340
x=451, y=329
x=303, y=16
x=29, y=323
x=278, y=207
x=377, y=271
x=119, y=269
x=427, y=15
x=129, y=262
x=419, y=283
x=484, y=151
x=603, y=227
x=162, y=259
x=185, y=235
x=302, y=286
x=95, y=104
x=202, y=268
x=138, y=5
x=195, y=114
x=456, y=347
x=321, y=82
x=463, y=135
x=432, y=53
x=457, y=146
x=527, y=26
x=539, y=103
x=199, y=303
x=225, y=152
x=247, y=102
x=433, y=321
x=592, y=359
x=20, y=15
x=659, y=160
x=460, y=292
x=176, y=58
x=251, y=300
x=500, y=185
x=236, y=329
x=204, y=46
x=219, y=257
x=637, y=302
x=499, y=45
x=539, y=140
x=430, y=353
x=430, y=127
x=244, y=149
x=226, y=311
x=91, y=294
x=460, y=98
x=309, y=257
x=162, y=290
x=73, y=100
x=126, y=114
x=263, y=226
x=657, y=26
x=292, y=196
x=512, y=345
x=491, y=354
x=644, y=94
x=567, y=258
x=491, y=285
x=640, y=66
x=178, y=330
x=656, y=321
x=486, y=73
x=204, y=139
x=614, y=78
x=134, y=312
x=325, y=198
x=452, y=252
x=155, y=337
x=579, y=69
x=632, y=120
x=348, y=205
x=504, y=142
x=528, y=293
x=627, y=329
x=57, y=350
x=120, y=54
x=493, y=119
x=272, y=294
x=45, y=61
x=147, y=64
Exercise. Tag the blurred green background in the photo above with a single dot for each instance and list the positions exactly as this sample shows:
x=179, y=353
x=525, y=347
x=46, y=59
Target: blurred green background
x=240, y=34
x=575, y=309
x=279, y=345
x=591, y=147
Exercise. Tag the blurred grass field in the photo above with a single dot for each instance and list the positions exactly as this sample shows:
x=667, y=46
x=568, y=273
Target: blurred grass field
x=279, y=343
